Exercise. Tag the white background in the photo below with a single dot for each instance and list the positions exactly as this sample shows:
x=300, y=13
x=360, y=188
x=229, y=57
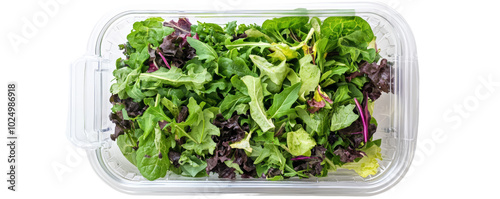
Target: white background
x=458, y=50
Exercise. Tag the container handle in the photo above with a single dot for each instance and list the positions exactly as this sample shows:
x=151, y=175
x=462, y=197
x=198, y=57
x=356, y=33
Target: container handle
x=88, y=97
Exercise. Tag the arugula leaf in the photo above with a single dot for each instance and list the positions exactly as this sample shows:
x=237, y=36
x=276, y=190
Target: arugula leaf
x=151, y=117
x=201, y=129
x=283, y=101
x=230, y=28
x=271, y=154
x=257, y=110
x=125, y=78
x=343, y=117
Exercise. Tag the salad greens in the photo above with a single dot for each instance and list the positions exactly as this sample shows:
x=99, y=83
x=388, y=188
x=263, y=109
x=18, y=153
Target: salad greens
x=292, y=97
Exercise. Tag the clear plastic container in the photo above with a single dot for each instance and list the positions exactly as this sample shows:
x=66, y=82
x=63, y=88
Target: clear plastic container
x=397, y=113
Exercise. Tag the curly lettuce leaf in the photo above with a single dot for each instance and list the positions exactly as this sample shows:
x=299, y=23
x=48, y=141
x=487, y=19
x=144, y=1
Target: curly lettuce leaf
x=367, y=165
x=300, y=142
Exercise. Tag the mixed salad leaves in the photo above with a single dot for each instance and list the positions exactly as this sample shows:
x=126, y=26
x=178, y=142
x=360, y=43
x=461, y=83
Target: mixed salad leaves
x=292, y=97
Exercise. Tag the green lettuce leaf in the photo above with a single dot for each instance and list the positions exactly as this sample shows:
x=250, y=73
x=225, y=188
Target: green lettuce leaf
x=300, y=142
x=195, y=79
x=309, y=75
x=257, y=110
x=276, y=73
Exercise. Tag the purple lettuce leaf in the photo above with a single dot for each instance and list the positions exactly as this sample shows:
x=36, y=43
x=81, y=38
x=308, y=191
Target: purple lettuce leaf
x=182, y=26
x=380, y=75
x=312, y=164
x=230, y=132
x=133, y=109
x=349, y=154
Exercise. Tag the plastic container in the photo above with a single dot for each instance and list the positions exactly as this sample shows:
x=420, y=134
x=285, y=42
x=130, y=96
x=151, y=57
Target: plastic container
x=397, y=113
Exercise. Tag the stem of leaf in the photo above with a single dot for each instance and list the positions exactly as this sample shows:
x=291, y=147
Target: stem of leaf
x=164, y=60
x=365, y=126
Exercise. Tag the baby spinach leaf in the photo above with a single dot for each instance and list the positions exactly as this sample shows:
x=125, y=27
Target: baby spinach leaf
x=127, y=144
x=283, y=101
x=152, y=155
x=191, y=165
x=234, y=66
x=203, y=50
x=239, y=85
x=360, y=81
x=343, y=117
x=257, y=110
x=230, y=103
x=342, y=94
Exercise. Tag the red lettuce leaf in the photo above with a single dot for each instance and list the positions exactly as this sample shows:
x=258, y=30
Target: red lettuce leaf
x=380, y=75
